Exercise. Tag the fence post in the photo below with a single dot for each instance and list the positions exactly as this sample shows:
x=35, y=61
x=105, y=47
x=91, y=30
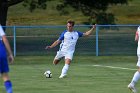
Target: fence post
x=14, y=31
x=97, y=47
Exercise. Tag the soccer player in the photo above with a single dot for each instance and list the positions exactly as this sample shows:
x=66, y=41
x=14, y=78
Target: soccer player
x=68, y=39
x=136, y=76
x=4, y=68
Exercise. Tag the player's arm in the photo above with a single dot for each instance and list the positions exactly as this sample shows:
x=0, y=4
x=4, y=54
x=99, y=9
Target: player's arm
x=136, y=36
x=90, y=31
x=54, y=44
x=7, y=45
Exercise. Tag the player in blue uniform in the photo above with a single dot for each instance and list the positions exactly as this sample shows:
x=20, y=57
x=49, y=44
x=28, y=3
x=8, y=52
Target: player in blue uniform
x=68, y=40
x=4, y=68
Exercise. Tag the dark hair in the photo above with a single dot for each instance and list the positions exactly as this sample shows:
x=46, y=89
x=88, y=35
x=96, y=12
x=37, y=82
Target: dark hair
x=71, y=22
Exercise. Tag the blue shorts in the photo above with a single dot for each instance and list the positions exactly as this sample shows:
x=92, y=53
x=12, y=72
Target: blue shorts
x=4, y=68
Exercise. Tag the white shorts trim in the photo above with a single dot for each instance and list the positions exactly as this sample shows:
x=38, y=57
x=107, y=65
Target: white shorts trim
x=61, y=54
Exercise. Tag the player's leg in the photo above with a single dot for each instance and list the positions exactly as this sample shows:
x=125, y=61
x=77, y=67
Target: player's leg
x=65, y=68
x=135, y=78
x=56, y=61
x=58, y=57
x=7, y=83
x=4, y=69
x=68, y=59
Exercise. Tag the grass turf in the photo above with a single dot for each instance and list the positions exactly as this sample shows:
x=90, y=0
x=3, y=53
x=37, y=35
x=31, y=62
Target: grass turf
x=83, y=77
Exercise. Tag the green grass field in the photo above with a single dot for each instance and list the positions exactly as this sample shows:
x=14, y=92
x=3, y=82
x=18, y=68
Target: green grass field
x=87, y=74
x=90, y=74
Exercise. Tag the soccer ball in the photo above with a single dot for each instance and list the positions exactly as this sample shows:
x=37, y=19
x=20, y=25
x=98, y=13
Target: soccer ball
x=48, y=74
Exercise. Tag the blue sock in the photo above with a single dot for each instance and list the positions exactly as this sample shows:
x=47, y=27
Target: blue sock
x=8, y=86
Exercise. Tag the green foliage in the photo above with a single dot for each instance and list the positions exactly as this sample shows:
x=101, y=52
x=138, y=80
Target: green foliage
x=95, y=9
x=19, y=15
x=33, y=4
x=14, y=2
x=104, y=18
x=88, y=5
x=91, y=8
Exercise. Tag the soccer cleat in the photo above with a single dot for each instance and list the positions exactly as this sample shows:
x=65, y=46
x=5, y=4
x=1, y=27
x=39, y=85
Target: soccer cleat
x=62, y=76
x=132, y=88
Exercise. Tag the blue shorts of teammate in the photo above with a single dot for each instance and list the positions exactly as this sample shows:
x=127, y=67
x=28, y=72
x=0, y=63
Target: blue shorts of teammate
x=4, y=68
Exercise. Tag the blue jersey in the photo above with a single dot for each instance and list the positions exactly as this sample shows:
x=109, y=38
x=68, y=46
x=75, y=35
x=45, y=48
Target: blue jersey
x=69, y=40
x=3, y=56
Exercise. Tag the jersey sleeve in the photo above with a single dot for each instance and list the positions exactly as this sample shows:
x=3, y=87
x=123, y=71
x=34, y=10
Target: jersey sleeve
x=138, y=29
x=80, y=34
x=1, y=31
x=62, y=36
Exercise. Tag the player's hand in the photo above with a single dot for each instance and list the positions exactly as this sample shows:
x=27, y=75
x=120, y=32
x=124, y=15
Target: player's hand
x=11, y=58
x=47, y=47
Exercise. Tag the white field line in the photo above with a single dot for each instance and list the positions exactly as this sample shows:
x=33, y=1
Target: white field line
x=112, y=67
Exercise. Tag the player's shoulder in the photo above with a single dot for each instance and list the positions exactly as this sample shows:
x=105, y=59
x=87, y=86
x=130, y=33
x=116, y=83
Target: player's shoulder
x=80, y=34
x=63, y=32
x=77, y=31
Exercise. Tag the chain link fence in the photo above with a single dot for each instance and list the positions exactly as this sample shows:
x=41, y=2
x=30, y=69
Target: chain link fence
x=106, y=40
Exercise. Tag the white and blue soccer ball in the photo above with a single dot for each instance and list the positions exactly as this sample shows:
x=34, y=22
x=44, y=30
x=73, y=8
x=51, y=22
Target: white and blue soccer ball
x=48, y=74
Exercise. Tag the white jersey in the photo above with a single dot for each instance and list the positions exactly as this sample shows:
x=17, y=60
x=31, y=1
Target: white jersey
x=69, y=40
x=1, y=32
x=138, y=48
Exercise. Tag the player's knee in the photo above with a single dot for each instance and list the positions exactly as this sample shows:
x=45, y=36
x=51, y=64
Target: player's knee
x=139, y=69
x=55, y=62
x=67, y=61
x=5, y=77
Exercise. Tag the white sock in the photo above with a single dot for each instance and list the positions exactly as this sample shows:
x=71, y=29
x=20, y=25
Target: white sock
x=65, y=69
x=136, y=77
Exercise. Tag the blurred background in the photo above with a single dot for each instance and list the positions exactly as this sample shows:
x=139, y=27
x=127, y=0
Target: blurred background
x=33, y=24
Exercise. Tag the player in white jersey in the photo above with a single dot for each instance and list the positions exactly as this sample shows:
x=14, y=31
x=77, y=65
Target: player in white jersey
x=4, y=68
x=68, y=40
x=136, y=76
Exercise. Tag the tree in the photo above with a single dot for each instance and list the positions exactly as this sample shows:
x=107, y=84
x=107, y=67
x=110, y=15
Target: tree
x=95, y=9
x=32, y=4
x=4, y=4
x=3, y=12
